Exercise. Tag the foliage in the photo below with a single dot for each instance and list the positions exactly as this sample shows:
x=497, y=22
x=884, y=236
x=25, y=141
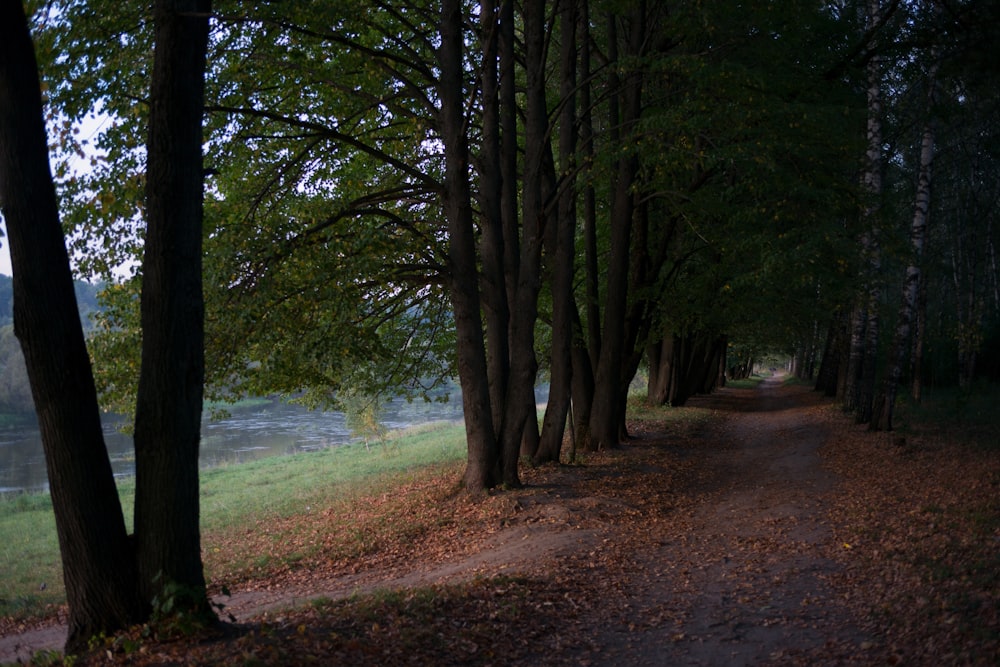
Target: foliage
x=178, y=610
x=752, y=149
x=364, y=417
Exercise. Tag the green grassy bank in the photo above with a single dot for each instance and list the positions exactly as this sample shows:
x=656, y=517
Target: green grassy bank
x=233, y=498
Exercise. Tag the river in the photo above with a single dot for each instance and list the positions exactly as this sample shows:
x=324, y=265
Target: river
x=246, y=434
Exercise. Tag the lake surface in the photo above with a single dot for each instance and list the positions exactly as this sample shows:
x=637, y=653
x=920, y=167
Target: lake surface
x=247, y=434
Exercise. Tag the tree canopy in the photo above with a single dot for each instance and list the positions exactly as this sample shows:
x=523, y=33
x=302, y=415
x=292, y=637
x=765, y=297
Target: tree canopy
x=731, y=141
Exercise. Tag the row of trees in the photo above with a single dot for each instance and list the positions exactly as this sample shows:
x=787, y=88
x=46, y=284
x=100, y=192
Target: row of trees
x=400, y=192
x=590, y=180
x=112, y=577
x=926, y=305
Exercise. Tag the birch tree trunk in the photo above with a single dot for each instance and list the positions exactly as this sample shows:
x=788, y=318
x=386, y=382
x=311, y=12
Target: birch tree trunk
x=860, y=391
x=882, y=412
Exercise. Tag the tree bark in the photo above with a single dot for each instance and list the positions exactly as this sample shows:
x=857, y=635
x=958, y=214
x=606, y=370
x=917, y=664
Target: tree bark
x=97, y=558
x=489, y=167
x=171, y=380
x=881, y=419
x=557, y=408
x=865, y=326
x=826, y=377
x=482, y=468
x=919, y=330
x=591, y=279
x=606, y=412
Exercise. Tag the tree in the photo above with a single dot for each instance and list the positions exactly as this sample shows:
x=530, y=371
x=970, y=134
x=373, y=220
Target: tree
x=607, y=412
x=882, y=412
x=171, y=380
x=111, y=579
x=482, y=469
x=99, y=569
x=561, y=241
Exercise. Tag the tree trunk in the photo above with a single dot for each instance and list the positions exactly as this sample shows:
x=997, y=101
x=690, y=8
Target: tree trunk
x=591, y=279
x=658, y=358
x=554, y=422
x=481, y=470
x=826, y=378
x=97, y=558
x=919, y=330
x=583, y=388
x=491, y=195
x=881, y=419
x=520, y=405
x=171, y=380
x=864, y=337
x=606, y=412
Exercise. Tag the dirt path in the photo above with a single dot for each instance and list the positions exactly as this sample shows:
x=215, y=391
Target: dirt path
x=746, y=580
x=731, y=567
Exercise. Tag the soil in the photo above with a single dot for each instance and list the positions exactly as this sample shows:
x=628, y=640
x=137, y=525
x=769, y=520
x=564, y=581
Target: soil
x=721, y=544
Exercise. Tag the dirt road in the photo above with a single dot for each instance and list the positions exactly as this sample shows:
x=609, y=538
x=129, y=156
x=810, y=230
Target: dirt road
x=742, y=577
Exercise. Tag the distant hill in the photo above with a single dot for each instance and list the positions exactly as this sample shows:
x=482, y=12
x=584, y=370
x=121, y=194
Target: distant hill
x=86, y=298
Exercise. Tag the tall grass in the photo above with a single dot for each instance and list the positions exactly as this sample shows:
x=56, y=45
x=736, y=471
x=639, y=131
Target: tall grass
x=231, y=496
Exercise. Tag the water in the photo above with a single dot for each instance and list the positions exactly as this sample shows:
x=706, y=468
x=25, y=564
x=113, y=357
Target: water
x=247, y=434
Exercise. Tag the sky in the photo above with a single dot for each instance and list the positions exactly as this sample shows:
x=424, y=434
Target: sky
x=5, y=254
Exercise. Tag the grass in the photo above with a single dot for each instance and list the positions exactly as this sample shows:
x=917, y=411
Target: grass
x=233, y=498
x=640, y=410
x=745, y=383
x=30, y=568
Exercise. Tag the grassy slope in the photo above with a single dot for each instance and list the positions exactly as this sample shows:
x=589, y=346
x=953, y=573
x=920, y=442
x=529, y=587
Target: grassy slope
x=233, y=497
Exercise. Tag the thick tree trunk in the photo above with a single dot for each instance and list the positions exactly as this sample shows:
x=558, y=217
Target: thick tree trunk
x=489, y=168
x=97, y=558
x=169, y=398
x=554, y=422
x=482, y=468
x=605, y=426
x=524, y=308
x=658, y=356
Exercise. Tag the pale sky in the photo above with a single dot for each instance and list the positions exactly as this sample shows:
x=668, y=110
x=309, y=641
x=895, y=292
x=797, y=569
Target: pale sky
x=4, y=253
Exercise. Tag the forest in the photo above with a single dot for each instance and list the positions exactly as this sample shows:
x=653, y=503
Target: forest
x=369, y=198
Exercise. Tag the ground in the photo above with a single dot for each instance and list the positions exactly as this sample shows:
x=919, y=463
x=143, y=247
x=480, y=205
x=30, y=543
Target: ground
x=772, y=531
